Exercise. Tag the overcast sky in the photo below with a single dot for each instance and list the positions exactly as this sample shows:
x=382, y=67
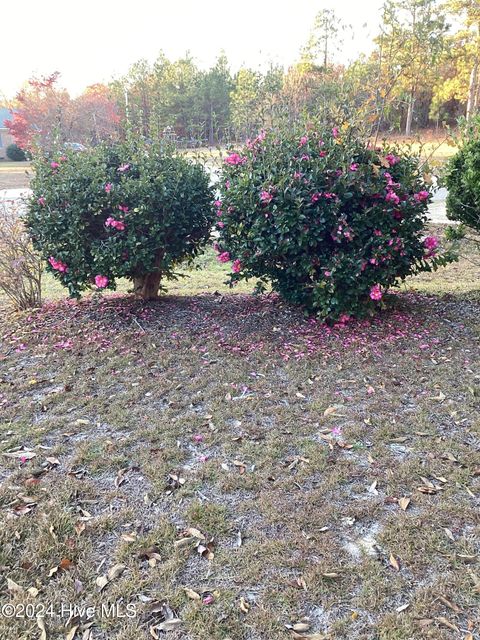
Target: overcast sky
x=91, y=41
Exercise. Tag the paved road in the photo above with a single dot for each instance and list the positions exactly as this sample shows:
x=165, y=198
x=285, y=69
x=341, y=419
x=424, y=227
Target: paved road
x=437, y=209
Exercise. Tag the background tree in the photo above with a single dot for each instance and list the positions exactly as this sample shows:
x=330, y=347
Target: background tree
x=244, y=103
x=408, y=52
x=42, y=113
x=95, y=115
x=325, y=38
x=463, y=83
x=215, y=89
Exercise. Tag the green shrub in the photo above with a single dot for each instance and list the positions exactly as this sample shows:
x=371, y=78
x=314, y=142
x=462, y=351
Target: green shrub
x=124, y=210
x=15, y=153
x=328, y=221
x=463, y=183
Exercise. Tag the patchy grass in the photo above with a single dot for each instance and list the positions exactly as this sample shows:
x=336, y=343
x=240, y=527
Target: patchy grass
x=14, y=175
x=435, y=145
x=239, y=468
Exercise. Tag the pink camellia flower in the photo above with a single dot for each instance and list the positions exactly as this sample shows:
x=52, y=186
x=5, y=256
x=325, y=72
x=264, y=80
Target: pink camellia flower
x=354, y=166
x=421, y=196
x=224, y=257
x=123, y=207
x=430, y=243
x=58, y=265
x=101, y=281
x=266, y=197
x=235, y=159
x=392, y=197
x=220, y=224
x=335, y=132
x=377, y=232
x=119, y=225
x=322, y=154
x=329, y=196
x=376, y=292
x=305, y=157
x=218, y=204
x=388, y=177
x=198, y=437
x=227, y=184
x=327, y=274
x=315, y=197
x=303, y=141
x=236, y=266
x=42, y=201
x=108, y=187
x=391, y=159
x=298, y=175
x=123, y=167
x=54, y=165
x=262, y=135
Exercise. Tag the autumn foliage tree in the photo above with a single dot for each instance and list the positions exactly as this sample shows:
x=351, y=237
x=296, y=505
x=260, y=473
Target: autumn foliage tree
x=96, y=115
x=44, y=114
x=42, y=110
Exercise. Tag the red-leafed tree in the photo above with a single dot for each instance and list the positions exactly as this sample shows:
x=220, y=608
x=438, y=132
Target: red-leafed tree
x=42, y=113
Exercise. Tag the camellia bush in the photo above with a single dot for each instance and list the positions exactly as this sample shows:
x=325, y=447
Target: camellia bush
x=463, y=183
x=131, y=210
x=328, y=221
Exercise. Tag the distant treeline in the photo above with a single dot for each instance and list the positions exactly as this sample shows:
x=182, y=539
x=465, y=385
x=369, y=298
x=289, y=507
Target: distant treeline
x=421, y=73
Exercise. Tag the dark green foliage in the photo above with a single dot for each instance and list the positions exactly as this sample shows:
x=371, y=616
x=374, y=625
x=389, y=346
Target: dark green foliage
x=124, y=210
x=328, y=221
x=463, y=183
x=15, y=153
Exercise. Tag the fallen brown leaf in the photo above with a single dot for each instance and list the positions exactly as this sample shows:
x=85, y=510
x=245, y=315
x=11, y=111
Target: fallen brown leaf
x=394, y=562
x=41, y=626
x=446, y=623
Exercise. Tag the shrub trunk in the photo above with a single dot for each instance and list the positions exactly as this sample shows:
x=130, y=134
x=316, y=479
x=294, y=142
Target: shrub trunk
x=146, y=285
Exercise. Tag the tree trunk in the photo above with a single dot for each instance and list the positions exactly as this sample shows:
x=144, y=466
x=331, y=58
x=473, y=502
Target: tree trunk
x=146, y=285
x=210, y=130
x=408, y=124
x=472, y=90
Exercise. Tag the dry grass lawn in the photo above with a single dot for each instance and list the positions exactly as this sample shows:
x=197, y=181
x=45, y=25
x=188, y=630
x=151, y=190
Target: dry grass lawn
x=14, y=175
x=215, y=466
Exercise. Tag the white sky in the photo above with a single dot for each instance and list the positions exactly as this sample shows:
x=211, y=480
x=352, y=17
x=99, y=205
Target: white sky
x=91, y=41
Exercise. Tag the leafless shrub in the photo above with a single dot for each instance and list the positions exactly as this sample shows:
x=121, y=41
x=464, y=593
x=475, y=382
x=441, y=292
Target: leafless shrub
x=20, y=266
